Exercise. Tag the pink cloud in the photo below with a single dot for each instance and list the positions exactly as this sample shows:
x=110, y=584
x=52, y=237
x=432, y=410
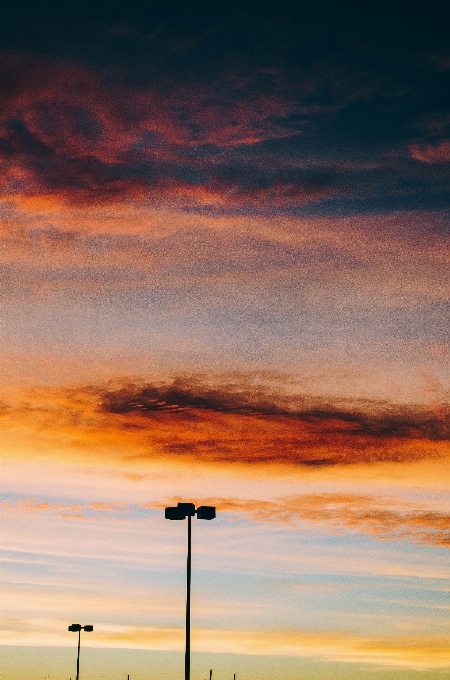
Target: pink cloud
x=65, y=132
x=431, y=153
x=63, y=510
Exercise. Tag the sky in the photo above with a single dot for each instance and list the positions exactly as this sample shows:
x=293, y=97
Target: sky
x=225, y=237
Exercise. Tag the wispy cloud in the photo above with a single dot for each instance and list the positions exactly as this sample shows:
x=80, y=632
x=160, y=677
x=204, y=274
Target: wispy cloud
x=414, y=652
x=81, y=511
x=316, y=266
x=380, y=517
x=384, y=518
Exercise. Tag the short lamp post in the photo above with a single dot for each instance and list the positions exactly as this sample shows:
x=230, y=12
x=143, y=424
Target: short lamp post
x=181, y=511
x=77, y=628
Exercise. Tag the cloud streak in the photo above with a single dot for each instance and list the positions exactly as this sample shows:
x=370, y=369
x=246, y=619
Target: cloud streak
x=194, y=422
x=184, y=394
x=414, y=652
x=382, y=518
x=355, y=254
x=82, y=511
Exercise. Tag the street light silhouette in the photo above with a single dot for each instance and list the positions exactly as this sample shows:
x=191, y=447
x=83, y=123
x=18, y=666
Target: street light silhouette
x=77, y=628
x=181, y=511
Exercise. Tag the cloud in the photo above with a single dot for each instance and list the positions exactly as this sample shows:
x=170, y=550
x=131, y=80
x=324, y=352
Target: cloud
x=413, y=652
x=194, y=422
x=260, y=277
x=139, y=113
x=84, y=511
x=185, y=394
x=439, y=152
x=67, y=132
x=100, y=236
x=59, y=134
x=382, y=518
x=272, y=187
x=80, y=136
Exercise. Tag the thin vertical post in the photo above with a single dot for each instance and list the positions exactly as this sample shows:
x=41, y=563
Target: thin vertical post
x=78, y=655
x=187, y=657
x=210, y=674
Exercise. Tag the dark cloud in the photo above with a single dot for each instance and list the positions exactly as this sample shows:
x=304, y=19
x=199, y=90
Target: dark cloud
x=218, y=108
x=70, y=133
x=372, y=420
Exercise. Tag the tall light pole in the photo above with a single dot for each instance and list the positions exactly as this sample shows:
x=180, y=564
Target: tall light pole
x=181, y=511
x=77, y=628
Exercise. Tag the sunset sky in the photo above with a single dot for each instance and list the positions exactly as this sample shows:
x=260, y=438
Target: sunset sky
x=225, y=280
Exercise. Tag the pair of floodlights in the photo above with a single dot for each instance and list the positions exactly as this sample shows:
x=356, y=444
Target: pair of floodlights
x=183, y=510
x=76, y=627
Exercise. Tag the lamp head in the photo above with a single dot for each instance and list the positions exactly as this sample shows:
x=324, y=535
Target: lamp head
x=181, y=511
x=206, y=512
x=174, y=513
x=187, y=508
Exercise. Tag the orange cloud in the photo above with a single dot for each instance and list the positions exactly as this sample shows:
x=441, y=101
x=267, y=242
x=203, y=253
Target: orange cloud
x=409, y=651
x=413, y=652
x=188, y=421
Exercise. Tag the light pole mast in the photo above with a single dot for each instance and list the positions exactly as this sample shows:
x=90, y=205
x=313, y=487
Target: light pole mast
x=77, y=628
x=187, y=655
x=78, y=655
x=181, y=511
